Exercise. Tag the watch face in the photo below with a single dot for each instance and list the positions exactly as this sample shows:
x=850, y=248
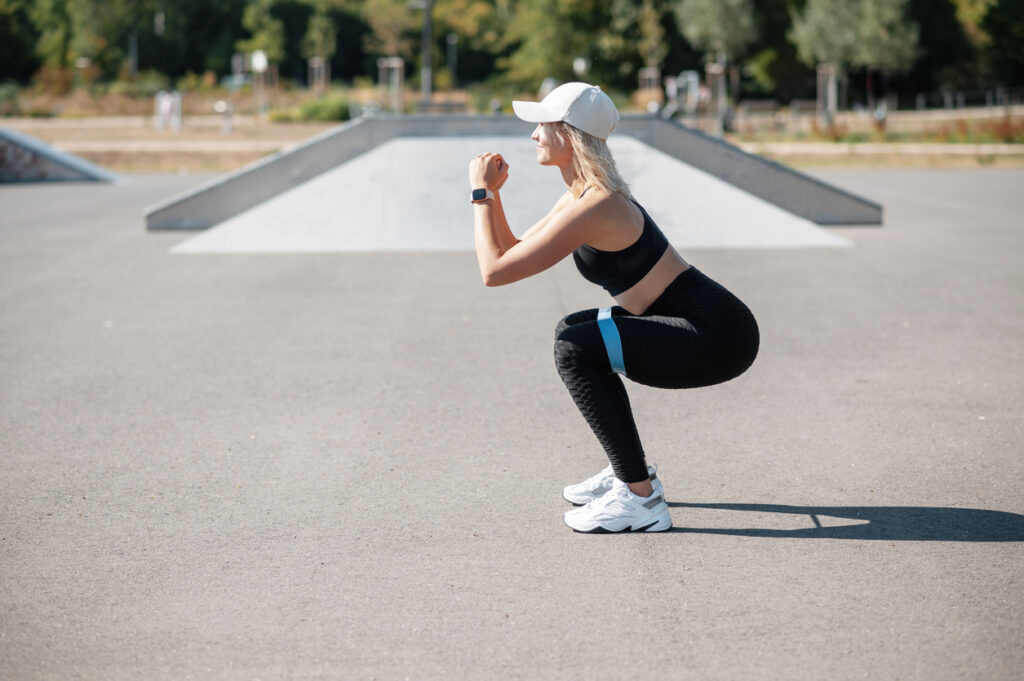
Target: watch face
x=479, y=194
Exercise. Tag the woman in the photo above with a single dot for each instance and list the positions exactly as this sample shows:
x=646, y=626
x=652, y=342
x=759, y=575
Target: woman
x=673, y=327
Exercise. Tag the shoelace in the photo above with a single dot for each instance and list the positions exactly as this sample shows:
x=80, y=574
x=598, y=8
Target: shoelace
x=616, y=492
x=595, y=480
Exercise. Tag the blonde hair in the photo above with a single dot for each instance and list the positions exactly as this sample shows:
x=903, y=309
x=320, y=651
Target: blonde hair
x=592, y=160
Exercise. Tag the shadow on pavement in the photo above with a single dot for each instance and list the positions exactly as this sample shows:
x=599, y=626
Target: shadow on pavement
x=893, y=523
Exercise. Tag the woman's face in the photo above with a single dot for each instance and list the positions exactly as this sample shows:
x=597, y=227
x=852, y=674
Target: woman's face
x=552, y=148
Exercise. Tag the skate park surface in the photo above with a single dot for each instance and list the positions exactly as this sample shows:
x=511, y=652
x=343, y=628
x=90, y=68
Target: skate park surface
x=349, y=464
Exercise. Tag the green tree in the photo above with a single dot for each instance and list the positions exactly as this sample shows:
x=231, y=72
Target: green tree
x=392, y=22
x=53, y=20
x=947, y=59
x=974, y=67
x=17, y=42
x=350, y=57
x=773, y=67
x=321, y=37
x=479, y=23
x=887, y=40
x=266, y=31
x=826, y=32
x=103, y=31
x=545, y=45
x=481, y=27
x=319, y=43
x=636, y=33
x=971, y=14
x=652, y=45
x=723, y=29
x=546, y=36
x=1004, y=24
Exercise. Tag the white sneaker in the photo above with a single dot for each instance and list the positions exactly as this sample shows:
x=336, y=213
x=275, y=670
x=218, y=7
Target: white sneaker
x=596, y=485
x=619, y=510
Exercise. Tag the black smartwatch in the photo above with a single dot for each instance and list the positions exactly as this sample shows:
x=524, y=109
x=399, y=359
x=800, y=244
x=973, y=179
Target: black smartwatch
x=482, y=195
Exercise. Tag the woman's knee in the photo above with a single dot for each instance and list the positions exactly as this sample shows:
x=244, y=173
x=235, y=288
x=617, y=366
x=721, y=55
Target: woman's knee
x=573, y=350
x=568, y=355
x=574, y=318
x=579, y=349
x=562, y=326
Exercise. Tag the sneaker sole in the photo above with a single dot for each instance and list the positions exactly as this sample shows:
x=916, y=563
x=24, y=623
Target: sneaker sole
x=647, y=528
x=660, y=524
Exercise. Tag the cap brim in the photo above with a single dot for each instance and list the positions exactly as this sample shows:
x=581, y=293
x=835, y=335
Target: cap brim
x=533, y=112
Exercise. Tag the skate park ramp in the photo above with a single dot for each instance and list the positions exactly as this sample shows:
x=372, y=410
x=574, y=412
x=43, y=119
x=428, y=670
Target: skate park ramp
x=400, y=184
x=412, y=194
x=24, y=158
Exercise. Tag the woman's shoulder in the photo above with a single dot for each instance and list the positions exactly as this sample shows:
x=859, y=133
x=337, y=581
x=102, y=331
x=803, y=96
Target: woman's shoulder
x=597, y=197
x=595, y=206
x=596, y=214
x=613, y=207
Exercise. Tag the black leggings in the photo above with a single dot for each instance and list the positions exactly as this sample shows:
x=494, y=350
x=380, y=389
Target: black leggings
x=695, y=334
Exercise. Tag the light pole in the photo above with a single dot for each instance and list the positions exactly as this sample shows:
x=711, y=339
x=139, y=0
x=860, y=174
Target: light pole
x=427, y=52
x=453, y=57
x=716, y=83
x=259, y=67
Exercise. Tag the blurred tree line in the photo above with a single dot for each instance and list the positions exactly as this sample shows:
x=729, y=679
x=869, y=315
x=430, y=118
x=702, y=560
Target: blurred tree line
x=772, y=46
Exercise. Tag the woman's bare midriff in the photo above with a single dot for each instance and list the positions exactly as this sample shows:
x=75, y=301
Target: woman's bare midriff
x=639, y=297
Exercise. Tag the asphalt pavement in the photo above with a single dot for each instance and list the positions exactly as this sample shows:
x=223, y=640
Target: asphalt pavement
x=349, y=465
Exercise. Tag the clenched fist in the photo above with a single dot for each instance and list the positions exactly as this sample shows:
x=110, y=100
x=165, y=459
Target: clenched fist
x=488, y=171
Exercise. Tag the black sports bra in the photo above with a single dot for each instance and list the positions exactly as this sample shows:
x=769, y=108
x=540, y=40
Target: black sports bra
x=618, y=271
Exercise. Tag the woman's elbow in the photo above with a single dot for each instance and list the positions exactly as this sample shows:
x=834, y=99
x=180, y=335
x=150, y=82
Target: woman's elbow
x=491, y=280
x=495, y=278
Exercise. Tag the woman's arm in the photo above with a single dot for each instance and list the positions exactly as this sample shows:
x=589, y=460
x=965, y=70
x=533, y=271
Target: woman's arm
x=563, y=234
x=502, y=231
x=504, y=259
x=563, y=201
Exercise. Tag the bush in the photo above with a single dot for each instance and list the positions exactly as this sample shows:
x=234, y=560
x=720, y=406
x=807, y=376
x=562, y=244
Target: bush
x=283, y=115
x=835, y=132
x=145, y=85
x=9, y=99
x=363, y=83
x=483, y=95
x=195, y=82
x=1006, y=130
x=53, y=80
x=330, y=108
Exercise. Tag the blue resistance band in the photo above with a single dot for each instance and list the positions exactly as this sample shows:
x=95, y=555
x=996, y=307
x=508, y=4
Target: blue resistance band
x=612, y=342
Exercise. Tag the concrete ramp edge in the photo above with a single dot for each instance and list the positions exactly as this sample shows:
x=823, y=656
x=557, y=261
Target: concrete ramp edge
x=793, y=191
x=235, y=192
x=27, y=159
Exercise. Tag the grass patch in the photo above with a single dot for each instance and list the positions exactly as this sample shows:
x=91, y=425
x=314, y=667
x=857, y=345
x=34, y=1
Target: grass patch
x=333, y=107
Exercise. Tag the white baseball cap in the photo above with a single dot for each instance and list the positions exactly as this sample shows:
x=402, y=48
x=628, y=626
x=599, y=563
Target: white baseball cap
x=581, y=105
